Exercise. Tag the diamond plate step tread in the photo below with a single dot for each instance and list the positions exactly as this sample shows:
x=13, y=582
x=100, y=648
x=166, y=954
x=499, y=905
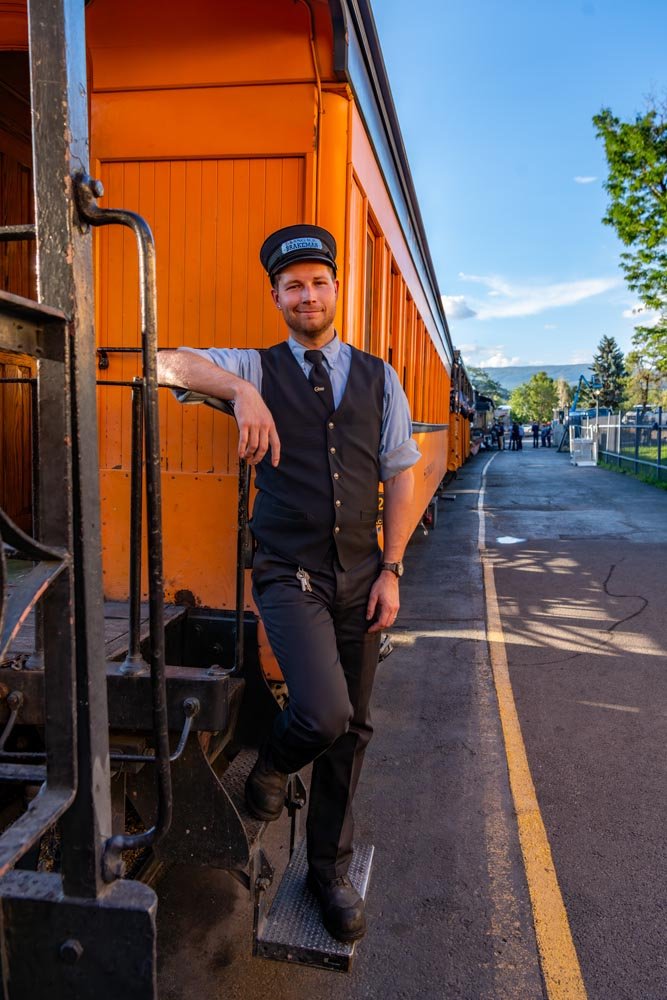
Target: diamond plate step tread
x=294, y=931
x=233, y=781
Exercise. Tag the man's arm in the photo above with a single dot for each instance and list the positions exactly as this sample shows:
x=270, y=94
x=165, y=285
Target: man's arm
x=257, y=430
x=384, y=599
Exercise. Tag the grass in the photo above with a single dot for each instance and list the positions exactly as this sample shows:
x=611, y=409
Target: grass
x=645, y=477
x=649, y=452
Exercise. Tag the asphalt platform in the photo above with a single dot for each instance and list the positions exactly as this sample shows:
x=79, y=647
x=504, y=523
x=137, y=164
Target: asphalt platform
x=578, y=557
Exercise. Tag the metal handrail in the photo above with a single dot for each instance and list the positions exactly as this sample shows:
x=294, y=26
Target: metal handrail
x=86, y=192
x=191, y=708
x=13, y=234
x=134, y=661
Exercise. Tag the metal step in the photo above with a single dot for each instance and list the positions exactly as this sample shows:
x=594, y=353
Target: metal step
x=233, y=781
x=293, y=930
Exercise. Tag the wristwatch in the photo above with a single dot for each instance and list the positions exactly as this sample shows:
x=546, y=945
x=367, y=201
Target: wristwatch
x=395, y=568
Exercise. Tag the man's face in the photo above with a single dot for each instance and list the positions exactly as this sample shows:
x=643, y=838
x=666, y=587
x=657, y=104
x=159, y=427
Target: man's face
x=306, y=295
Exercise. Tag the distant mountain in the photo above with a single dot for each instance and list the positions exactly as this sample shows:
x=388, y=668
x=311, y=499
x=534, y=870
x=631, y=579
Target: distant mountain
x=515, y=375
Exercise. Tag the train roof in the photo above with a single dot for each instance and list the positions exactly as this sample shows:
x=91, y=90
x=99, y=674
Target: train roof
x=358, y=60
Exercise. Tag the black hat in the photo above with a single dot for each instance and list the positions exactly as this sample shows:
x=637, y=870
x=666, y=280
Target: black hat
x=294, y=243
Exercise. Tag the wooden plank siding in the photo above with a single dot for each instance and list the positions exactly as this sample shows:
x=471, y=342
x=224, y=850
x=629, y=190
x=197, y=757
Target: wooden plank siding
x=209, y=218
x=15, y=442
x=17, y=275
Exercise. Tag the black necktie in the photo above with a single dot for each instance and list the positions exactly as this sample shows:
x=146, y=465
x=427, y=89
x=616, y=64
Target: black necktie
x=319, y=379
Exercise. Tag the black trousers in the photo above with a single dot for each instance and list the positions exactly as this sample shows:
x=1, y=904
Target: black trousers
x=321, y=641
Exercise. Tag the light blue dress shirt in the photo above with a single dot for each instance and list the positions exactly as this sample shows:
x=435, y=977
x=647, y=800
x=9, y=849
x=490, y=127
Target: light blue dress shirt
x=398, y=450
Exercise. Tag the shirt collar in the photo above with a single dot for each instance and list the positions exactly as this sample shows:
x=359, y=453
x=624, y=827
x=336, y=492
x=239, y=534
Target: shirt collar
x=330, y=351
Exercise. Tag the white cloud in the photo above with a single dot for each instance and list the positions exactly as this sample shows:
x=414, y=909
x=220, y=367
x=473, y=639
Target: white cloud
x=550, y=326
x=487, y=357
x=584, y=180
x=528, y=300
x=581, y=358
x=642, y=316
x=456, y=307
x=499, y=360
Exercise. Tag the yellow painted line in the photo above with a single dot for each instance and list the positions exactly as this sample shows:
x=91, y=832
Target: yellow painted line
x=558, y=956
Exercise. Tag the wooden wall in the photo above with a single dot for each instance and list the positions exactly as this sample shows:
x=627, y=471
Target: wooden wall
x=17, y=275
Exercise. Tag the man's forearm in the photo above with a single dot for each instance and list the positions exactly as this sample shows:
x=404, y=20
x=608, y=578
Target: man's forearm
x=257, y=429
x=397, y=519
x=185, y=370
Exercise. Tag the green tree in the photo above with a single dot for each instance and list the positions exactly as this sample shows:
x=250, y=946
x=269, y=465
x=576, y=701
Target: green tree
x=609, y=370
x=520, y=408
x=535, y=399
x=644, y=383
x=637, y=186
x=488, y=386
x=564, y=392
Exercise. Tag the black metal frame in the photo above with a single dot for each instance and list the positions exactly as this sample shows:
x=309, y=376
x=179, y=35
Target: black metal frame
x=61, y=932
x=41, y=332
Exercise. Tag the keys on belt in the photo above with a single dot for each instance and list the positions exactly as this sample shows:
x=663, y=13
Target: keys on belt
x=304, y=579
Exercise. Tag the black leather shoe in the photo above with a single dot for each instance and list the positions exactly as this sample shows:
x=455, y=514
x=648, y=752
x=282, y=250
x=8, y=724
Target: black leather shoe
x=265, y=790
x=341, y=905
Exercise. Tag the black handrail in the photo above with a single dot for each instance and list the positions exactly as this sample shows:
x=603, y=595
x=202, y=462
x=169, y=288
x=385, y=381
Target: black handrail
x=87, y=191
x=242, y=544
x=134, y=661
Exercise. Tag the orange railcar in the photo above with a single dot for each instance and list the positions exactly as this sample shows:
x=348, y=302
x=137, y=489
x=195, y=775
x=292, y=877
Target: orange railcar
x=218, y=131
x=218, y=124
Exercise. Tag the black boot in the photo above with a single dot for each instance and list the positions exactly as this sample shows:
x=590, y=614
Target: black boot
x=265, y=789
x=341, y=905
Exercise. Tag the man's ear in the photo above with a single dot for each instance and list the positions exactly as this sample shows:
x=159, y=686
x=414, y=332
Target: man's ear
x=274, y=296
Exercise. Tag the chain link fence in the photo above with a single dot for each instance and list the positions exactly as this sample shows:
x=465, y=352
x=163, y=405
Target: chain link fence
x=634, y=441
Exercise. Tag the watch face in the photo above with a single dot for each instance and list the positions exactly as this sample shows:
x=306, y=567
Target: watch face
x=399, y=569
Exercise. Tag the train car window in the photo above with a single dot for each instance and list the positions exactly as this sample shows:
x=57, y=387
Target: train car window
x=369, y=289
x=395, y=334
x=409, y=349
x=390, y=316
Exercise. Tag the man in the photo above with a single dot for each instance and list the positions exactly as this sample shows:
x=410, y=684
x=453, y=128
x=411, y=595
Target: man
x=535, y=428
x=322, y=423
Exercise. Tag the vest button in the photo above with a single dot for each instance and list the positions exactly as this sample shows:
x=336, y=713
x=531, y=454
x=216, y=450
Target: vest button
x=336, y=475
x=332, y=450
x=331, y=425
x=338, y=503
x=336, y=529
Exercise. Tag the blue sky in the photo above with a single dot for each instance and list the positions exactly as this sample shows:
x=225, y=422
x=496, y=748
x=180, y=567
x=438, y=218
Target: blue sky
x=495, y=101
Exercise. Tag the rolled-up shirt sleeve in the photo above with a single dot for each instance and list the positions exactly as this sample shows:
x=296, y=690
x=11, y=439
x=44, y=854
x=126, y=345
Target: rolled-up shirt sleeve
x=398, y=450
x=244, y=363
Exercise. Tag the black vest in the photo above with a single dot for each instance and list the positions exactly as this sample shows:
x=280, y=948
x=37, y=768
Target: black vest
x=324, y=493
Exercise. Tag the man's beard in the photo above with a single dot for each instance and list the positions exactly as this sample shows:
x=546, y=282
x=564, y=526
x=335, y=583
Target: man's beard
x=307, y=329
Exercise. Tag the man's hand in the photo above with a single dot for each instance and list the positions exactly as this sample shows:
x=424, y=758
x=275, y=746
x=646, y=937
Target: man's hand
x=257, y=429
x=383, y=602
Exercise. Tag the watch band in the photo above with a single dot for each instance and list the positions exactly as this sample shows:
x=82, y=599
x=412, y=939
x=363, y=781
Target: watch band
x=394, y=567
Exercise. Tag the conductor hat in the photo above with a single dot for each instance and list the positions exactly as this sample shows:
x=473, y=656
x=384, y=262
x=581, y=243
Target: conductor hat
x=295, y=243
